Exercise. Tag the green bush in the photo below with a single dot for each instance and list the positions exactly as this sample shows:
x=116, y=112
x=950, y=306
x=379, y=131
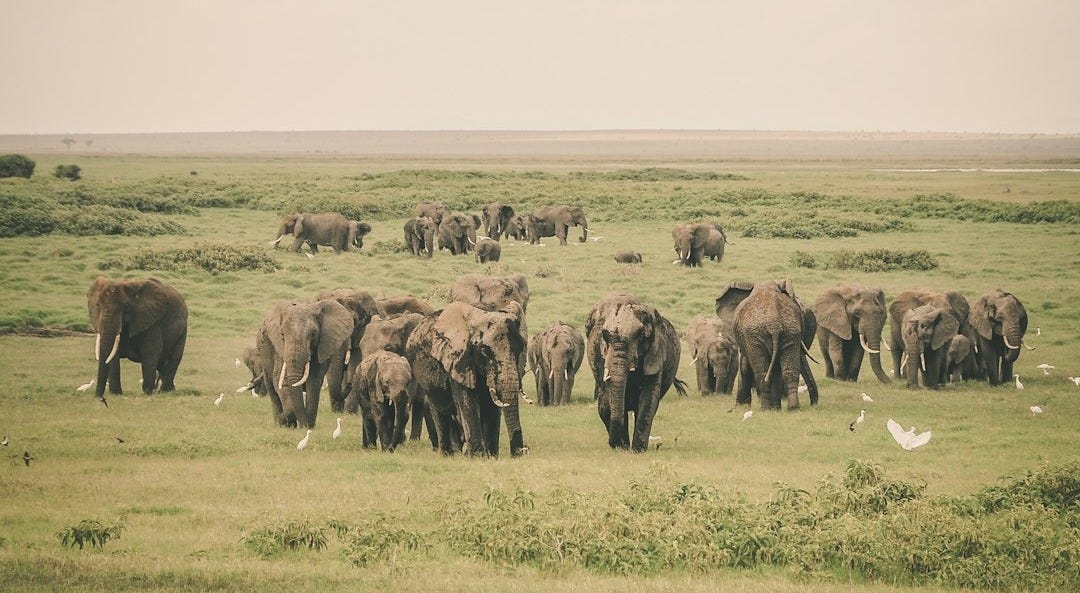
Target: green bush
x=16, y=165
x=89, y=531
x=802, y=259
x=272, y=540
x=379, y=542
x=211, y=257
x=69, y=172
x=882, y=260
x=107, y=220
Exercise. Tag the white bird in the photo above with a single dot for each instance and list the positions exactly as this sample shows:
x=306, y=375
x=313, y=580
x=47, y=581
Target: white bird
x=803, y=389
x=858, y=421
x=1045, y=368
x=85, y=386
x=244, y=388
x=337, y=431
x=907, y=439
x=237, y=363
x=1019, y=385
x=5, y=441
x=1036, y=410
x=1075, y=380
x=303, y=442
x=309, y=255
x=655, y=442
x=1038, y=331
x=746, y=416
x=867, y=398
x=220, y=398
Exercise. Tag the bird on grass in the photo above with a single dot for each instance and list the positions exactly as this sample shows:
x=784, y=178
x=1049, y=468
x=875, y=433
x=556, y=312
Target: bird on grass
x=237, y=363
x=244, y=388
x=858, y=421
x=746, y=415
x=907, y=439
x=1075, y=380
x=1045, y=368
x=656, y=441
x=1036, y=410
x=803, y=389
x=220, y=398
x=5, y=441
x=337, y=431
x=310, y=256
x=85, y=386
x=1019, y=385
x=867, y=398
x=26, y=458
x=119, y=440
x=304, y=441
x=1038, y=331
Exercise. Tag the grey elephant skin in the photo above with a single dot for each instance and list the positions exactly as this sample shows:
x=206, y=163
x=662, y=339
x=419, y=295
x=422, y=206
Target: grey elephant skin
x=433, y=210
x=420, y=235
x=927, y=331
x=250, y=359
x=496, y=219
x=773, y=331
x=390, y=333
x=363, y=308
x=958, y=358
x=466, y=362
x=382, y=388
x=715, y=355
x=634, y=353
x=696, y=241
x=330, y=229
x=628, y=257
x=457, y=232
x=555, y=221
x=850, y=319
x=487, y=250
x=952, y=302
x=555, y=356
x=516, y=228
x=1000, y=322
x=403, y=304
x=309, y=340
x=144, y=321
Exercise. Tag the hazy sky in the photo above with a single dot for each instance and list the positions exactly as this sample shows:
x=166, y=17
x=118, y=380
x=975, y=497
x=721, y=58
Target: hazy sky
x=73, y=66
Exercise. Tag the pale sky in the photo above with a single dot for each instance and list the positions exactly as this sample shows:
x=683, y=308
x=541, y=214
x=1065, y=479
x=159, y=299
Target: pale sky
x=113, y=66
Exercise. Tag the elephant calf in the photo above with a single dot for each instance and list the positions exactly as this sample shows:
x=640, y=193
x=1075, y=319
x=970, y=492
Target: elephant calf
x=628, y=257
x=488, y=250
x=382, y=387
x=715, y=354
x=555, y=355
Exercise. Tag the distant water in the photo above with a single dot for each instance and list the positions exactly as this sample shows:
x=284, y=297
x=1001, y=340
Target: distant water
x=977, y=170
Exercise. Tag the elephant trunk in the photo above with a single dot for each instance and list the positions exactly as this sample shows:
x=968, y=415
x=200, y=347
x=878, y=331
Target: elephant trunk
x=872, y=346
x=584, y=230
x=1012, y=336
x=294, y=373
x=558, y=380
x=108, y=338
x=616, y=365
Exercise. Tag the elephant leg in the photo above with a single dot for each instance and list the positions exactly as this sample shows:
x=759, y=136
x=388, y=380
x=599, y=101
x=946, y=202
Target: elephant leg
x=568, y=390
x=490, y=425
x=648, y=403
x=469, y=415
x=561, y=231
x=701, y=366
x=114, y=377
x=855, y=358
x=811, y=384
x=275, y=407
x=370, y=431
x=1006, y=369
x=433, y=431
x=170, y=362
x=603, y=408
x=829, y=355
x=746, y=379
x=313, y=389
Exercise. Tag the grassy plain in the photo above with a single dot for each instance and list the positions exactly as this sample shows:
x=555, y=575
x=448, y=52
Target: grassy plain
x=191, y=480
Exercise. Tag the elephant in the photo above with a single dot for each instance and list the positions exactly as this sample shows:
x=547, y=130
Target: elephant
x=466, y=362
x=250, y=359
x=403, y=304
x=515, y=228
x=382, y=387
x=1000, y=321
x=927, y=331
x=716, y=358
x=433, y=210
x=628, y=257
x=953, y=302
x=420, y=235
x=850, y=319
x=331, y=229
x=487, y=250
x=958, y=358
x=309, y=340
x=391, y=333
x=144, y=321
x=634, y=355
x=773, y=330
x=555, y=355
x=491, y=292
x=496, y=219
x=364, y=309
x=698, y=240
x=457, y=232
x=555, y=221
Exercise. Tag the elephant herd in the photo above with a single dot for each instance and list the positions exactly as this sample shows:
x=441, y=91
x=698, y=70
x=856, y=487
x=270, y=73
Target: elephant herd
x=458, y=370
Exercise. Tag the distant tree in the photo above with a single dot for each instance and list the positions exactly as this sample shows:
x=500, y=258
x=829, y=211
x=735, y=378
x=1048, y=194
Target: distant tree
x=68, y=142
x=69, y=172
x=16, y=165
x=89, y=143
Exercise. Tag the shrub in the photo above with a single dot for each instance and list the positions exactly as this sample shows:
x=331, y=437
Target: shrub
x=272, y=540
x=211, y=257
x=882, y=260
x=802, y=259
x=107, y=220
x=380, y=542
x=89, y=531
x=16, y=165
x=69, y=172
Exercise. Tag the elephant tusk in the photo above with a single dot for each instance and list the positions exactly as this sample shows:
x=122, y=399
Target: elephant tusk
x=115, y=347
x=903, y=360
x=922, y=361
x=496, y=401
x=348, y=355
x=694, y=361
x=677, y=261
x=1026, y=346
x=278, y=240
x=281, y=378
x=887, y=347
x=551, y=374
x=97, y=348
x=307, y=370
x=566, y=374
x=975, y=345
x=526, y=399
x=807, y=351
x=607, y=374
x=1008, y=345
x=862, y=342
x=633, y=368
x=471, y=242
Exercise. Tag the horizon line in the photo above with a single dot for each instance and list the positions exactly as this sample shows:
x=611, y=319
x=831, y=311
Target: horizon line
x=549, y=131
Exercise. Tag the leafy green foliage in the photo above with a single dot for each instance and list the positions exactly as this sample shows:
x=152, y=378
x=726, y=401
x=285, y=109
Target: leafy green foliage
x=871, y=260
x=272, y=540
x=211, y=257
x=16, y=165
x=89, y=531
x=69, y=172
x=22, y=214
x=380, y=541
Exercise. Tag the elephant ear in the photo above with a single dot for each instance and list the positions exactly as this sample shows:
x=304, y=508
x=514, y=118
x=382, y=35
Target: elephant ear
x=831, y=312
x=506, y=211
x=450, y=343
x=653, y=360
x=351, y=239
x=475, y=221
x=93, y=295
x=786, y=287
x=336, y=325
x=944, y=330
x=979, y=318
x=272, y=325
x=701, y=234
x=730, y=298
x=298, y=227
x=150, y=301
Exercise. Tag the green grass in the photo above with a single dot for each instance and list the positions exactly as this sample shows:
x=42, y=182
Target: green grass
x=190, y=481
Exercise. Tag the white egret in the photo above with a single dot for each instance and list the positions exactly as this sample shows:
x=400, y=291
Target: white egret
x=5, y=441
x=1038, y=331
x=309, y=255
x=304, y=441
x=867, y=398
x=1019, y=385
x=803, y=389
x=85, y=386
x=655, y=442
x=337, y=431
x=746, y=416
x=1075, y=380
x=237, y=363
x=1045, y=368
x=858, y=421
x=220, y=398
x=907, y=439
x=244, y=388
x=1036, y=410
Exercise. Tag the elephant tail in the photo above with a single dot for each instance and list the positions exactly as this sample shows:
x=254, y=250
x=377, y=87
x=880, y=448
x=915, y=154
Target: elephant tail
x=680, y=387
x=775, y=355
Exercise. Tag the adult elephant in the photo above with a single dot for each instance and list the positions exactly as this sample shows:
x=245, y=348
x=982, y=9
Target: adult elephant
x=403, y=304
x=364, y=309
x=465, y=360
x=698, y=240
x=515, y=228
x=716, y=358
x=555, y=355
x=390, y=334
x=555, y=221
x=926, y=331
x=491, y=292
x=628, y=257
x=382, y=387
x=1000, y=322
x=487, y=250
x=850, y=319
x=771, y=328
x=496, y=219
x=634, y=354
x=951, y=301
x=457, y=232
x=309, y=341
x=144, y=321
x=420, y=235
x=331, y=229
x=433, y=210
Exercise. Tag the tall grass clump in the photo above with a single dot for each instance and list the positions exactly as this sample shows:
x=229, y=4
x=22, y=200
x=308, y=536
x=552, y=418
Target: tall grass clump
x=89, y=531
x=271, y=540
x=210, y=257
x=381, y=541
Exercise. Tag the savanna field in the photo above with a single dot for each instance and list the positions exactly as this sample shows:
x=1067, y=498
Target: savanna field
x=205, y=498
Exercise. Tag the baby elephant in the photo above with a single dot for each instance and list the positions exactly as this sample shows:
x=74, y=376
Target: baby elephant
x=959, y=359
x=628, y=257
x=382, y=387
x=488, y=249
